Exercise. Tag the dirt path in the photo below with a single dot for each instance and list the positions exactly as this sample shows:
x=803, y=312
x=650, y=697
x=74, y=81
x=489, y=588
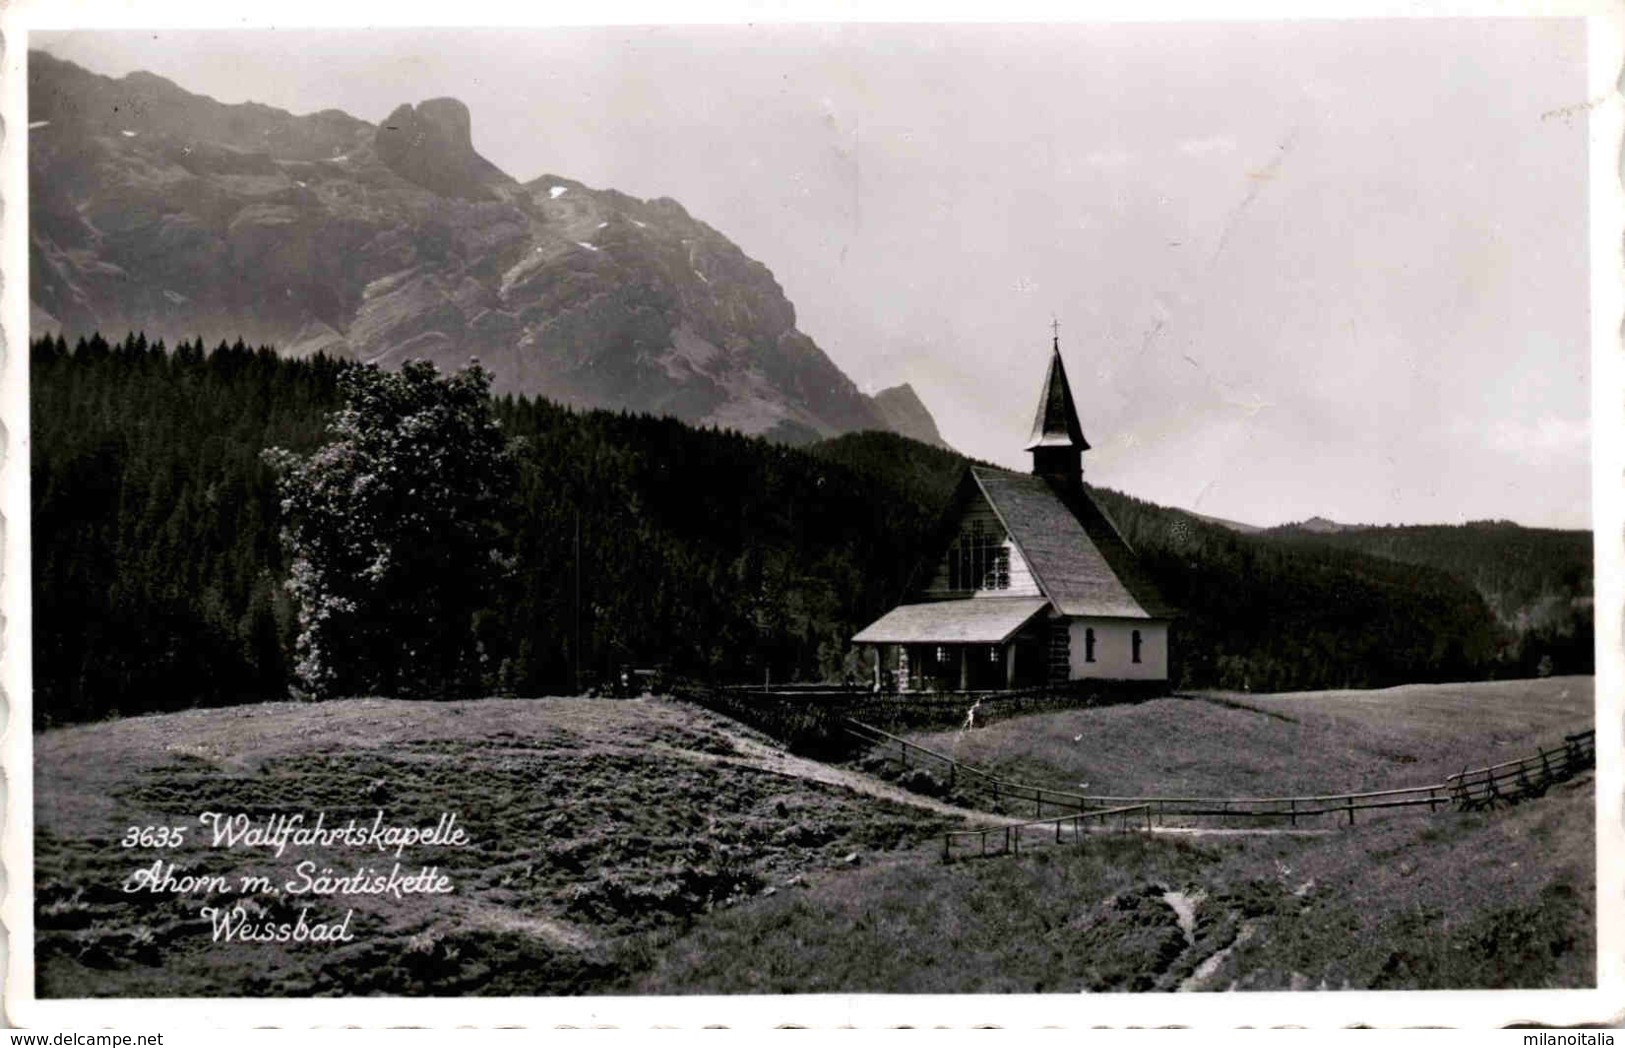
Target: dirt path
x=1206, y=970
x=1223, y=831
x=1184, y=906
x=502, y=919
x=754, y=754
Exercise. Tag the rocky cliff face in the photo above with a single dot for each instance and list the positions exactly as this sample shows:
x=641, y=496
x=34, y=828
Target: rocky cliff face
x=158, y=210
x=903, y=412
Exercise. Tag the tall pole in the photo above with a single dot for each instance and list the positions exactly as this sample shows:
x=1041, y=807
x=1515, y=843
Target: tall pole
x=575, y=671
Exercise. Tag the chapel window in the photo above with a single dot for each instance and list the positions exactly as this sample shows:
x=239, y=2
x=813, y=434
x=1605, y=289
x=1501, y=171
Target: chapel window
x=978, y=560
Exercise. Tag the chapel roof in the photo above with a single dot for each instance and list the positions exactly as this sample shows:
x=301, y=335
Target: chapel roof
x=992, y=620
x=1080, y=560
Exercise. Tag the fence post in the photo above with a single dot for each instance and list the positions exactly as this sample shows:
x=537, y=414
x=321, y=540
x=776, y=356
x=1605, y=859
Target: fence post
x=1431, y=799
x=1057, y=831
x=951, y=766
x=1293, y=809
x=945, y=847
x=1350, y=801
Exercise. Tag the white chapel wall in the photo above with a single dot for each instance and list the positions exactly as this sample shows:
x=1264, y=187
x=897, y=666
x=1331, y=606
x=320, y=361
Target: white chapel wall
x=1114, y=649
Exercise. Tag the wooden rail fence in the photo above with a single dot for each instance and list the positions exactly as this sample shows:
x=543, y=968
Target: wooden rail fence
x=1469, y=789
x=1525, y=777
x=1007, y=839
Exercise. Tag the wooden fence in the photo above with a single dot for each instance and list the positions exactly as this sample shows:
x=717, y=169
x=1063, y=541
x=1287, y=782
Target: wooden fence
x=1514, y=780
x=1477, y=788
x=1007, y=840
x=964, y=778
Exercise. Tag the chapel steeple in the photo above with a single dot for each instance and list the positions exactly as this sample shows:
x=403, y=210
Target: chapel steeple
x=1057, y=443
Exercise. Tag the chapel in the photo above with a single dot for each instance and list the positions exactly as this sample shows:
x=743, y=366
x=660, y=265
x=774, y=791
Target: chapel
x=1031, y=583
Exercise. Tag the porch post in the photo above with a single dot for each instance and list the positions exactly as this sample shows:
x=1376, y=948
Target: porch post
x=964, y=667
x=1010, y=666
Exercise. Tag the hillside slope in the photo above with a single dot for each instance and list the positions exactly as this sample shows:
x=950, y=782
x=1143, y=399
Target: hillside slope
x=596, y=830
x=1402, y=900
x=162, y=211
x=1537, y=581
x=1294, y=743
x=1272, y=612
x=1452, y=901
x=647, y=846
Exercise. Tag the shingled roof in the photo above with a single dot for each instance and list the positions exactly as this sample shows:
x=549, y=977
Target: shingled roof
x=1082, y=563
x=985, y=620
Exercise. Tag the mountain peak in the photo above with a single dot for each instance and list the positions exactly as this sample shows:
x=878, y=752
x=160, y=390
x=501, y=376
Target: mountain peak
x=397, y=240
x=1323, y=525
x=431, y=144
x=904, y=412
x=451, y=118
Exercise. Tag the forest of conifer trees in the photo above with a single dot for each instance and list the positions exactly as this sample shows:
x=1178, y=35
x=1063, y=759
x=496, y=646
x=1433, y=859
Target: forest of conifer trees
x=159, y=576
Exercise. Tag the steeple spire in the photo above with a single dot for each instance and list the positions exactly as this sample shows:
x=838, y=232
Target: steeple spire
x=1057, y=443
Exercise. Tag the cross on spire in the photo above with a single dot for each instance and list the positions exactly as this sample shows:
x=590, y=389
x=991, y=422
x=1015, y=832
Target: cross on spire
x=1055, y=326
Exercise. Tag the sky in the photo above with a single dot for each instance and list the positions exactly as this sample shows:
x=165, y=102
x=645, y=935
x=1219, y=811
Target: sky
x=1334, y=268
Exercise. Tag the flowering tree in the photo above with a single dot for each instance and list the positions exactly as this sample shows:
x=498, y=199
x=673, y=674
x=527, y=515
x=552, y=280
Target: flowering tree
x=394, y=533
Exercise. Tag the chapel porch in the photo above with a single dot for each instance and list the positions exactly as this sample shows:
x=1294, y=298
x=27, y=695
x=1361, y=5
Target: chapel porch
x=977, y=644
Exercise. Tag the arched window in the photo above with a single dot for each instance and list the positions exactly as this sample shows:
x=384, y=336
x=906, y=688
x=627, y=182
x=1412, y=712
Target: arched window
x=1088, y=645
x=1136, y=645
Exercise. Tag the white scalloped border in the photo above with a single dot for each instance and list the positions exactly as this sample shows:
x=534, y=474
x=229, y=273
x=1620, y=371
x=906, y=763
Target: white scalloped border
x=1477, y=1009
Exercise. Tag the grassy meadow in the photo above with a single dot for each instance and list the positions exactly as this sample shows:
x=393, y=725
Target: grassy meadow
x=1229, y=744
x=651, y=847
x=597, y=827
x=1455, y=900
x=1502, y=899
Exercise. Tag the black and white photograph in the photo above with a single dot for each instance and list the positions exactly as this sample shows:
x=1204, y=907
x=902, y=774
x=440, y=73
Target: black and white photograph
x=723, y=515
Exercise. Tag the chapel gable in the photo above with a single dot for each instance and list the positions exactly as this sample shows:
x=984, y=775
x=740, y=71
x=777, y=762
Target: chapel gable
x=980, y=558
